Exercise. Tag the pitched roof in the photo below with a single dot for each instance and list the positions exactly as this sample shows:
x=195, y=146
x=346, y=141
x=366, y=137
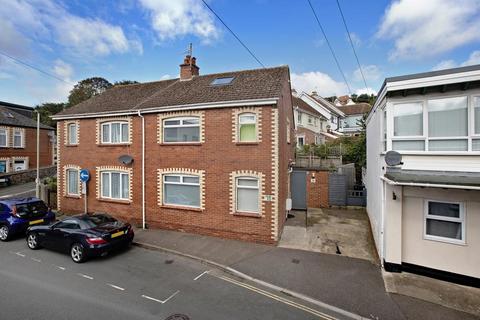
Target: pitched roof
x=246, y=85
x=326, y=104
x=359, y=108
x=302, y=105
x=9, y=117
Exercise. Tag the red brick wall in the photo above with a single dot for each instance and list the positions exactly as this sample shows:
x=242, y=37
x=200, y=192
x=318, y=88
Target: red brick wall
x=218, y=156
x=317, y=189
x=30, y=148
x=308, y=134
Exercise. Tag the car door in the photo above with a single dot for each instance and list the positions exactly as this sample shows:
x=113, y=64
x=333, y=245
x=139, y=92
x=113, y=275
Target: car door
x=60, y=236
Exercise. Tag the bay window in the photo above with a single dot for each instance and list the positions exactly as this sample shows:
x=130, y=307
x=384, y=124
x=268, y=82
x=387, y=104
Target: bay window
x=184, y=129
x=247, y=194
x=444, y=221
x=115, y=132
x=247, y=123
x=181, y=190
x=115, y=185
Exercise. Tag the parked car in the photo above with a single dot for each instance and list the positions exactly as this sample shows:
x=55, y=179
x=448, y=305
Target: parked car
x=17, y=214
x=83, y=236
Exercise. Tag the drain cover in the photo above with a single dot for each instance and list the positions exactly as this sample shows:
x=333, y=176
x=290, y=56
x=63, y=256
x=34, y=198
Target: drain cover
x=168, y=261
x=178, y=317
x=296, y=261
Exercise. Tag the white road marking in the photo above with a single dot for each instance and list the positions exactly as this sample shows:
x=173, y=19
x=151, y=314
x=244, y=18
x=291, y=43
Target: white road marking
x=36, y=260
x=61, y=268
x=16, y=194
x=115, y=287
x=20, y=254
x=85, y=276
x=199, y=276
x=161, y=301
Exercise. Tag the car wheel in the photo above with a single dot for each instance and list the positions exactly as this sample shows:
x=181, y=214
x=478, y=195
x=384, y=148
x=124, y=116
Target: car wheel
x=4, y=233
x=32, y=241
x=77, y=252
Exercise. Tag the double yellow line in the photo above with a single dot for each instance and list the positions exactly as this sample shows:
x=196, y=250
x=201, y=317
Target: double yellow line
x=278, y=298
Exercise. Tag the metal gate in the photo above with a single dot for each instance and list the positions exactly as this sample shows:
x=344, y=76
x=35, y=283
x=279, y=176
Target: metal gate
x=299, y=190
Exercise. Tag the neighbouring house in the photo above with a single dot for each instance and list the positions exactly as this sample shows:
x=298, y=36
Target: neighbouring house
x=425, y=211
x=343, y=101
x=207, y=154
x=18, y=136
x=309, y=123
x=353, y=114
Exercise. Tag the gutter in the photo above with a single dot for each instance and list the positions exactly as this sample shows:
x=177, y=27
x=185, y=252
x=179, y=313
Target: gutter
x=427, y=185
x=143, y=169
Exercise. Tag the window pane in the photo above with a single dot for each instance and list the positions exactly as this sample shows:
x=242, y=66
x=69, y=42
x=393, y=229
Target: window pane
x=475, y=145
x=179, y=134
x=247, y=200
x=247, y=118
x=444, y=209
x=182, y=195
x=448, y=117
x=248, y=132
x=191, y=180
x=72, y=133
x=3, y=138
x=3, y=166
x=247, y=182
x=446, y=229
x=172, y=178
x=448, y=145
x=105, y=184
x=115, y=132
x=17, y=140
x=190, y=121
x=125, y=186
x=106, y=133
x=476, y=108
x=124, y=132
x=115, y=176
x=172, y=122
x=408, y=119
x=414, y=145
x=72, y=181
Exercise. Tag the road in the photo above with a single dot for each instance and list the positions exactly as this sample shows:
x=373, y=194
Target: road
x=18, y=190
x=134, y=284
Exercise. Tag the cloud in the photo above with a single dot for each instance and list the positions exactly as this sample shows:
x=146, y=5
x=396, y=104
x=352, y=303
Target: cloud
x=355, y=39
x=11, y=41
x=172, y=19
x=371, y=72
x=166, y=77
x=368, y=91
x=318, y=81
x=474, y=58
x=429, y=27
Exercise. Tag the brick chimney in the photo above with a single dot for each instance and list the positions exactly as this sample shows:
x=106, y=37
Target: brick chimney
x=189, y=68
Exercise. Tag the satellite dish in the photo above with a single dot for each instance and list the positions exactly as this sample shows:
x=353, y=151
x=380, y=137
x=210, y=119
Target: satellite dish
x=125, y=159
x=393, y=158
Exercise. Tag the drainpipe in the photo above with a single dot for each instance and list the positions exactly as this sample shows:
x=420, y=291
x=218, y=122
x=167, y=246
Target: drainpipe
x=143, y=169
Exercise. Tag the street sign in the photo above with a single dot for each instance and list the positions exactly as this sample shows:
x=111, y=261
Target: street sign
x=84, y=175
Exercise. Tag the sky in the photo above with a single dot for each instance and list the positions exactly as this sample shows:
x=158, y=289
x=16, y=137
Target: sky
x=146, y=40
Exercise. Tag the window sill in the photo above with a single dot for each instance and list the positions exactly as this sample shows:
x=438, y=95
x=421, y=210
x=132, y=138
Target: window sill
x=71, y=196
x=248, y=214
x=436, y=153
x=71, y=145
x=444, y=240
x=180, y=144
x=253, y=143
x=115, y=201
x=183, y=208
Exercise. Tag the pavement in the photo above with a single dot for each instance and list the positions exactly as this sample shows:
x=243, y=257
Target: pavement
x=134, y=284
x=24, y=190
x=353, y=285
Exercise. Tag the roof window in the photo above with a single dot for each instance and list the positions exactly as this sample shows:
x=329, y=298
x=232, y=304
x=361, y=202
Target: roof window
x=222, y=81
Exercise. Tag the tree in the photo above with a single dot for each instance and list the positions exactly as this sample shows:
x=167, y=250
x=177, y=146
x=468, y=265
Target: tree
x=354, y=97
x=86, y=89
x=46, y=110
x=125, y=82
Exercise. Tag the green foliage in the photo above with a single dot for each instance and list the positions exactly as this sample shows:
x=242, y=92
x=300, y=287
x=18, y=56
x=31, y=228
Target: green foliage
x=46, y=110
x=365, y=98
x=51, y=182
x=125, y=82
x=86, y=89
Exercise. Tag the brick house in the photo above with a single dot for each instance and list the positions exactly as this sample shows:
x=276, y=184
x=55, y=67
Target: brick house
x=309, y=123
x=211, y=153
x=18, y=136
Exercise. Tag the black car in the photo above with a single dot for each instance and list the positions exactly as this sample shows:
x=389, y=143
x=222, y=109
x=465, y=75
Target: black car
x=83, y=236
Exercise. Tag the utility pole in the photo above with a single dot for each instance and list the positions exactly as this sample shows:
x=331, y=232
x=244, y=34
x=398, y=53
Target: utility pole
x=37, y=180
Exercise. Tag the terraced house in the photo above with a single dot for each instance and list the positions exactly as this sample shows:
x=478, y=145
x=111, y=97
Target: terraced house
x=206, y=154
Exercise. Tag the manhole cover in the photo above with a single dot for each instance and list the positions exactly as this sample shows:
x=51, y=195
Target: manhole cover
x=296, y=261
x=168, y=261
x=178, y=317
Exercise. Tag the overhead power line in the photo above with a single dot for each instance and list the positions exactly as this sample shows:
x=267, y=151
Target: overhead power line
x=351, y=43
x=330, y=47
x=34, y=68
x=233, y=33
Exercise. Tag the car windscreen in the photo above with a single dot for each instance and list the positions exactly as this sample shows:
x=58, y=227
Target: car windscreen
x=97, y=220
x=31, y=209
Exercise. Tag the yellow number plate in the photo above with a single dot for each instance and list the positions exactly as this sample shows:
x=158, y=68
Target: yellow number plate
x=35, y=222
x=118, y=234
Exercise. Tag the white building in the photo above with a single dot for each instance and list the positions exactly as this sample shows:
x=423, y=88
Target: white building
x=425, y=212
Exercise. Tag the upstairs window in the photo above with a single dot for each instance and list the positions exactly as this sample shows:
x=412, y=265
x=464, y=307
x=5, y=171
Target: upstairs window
x=3, y=137
x=17, y=138
x=408, y=126
x=247, y=123
x=476, y=112
x=299, y=117
x=115, y=132
x=72, y=133
x=179, y=130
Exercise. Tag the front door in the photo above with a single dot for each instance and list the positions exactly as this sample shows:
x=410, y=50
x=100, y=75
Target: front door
x=299, y=190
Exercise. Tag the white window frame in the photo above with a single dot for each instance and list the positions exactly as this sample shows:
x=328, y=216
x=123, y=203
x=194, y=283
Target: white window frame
x=109, y=124
x=68, y=181
x=72, y=139
x=25, y=164
x=6, y=137
x=461, y=219
x=17, y=131
x=474, y=136
x=109, y=172
x=182, y=125
x=298, y=141
x=181, y=176
x=237, y=186
x=240, y=123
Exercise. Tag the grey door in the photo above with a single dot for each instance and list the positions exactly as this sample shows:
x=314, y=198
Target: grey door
x=299, y=190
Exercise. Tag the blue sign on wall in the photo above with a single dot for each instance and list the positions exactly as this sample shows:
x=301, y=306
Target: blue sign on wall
x=84, y=175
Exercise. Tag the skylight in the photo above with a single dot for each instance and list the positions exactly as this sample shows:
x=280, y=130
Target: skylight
x=222, y=81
